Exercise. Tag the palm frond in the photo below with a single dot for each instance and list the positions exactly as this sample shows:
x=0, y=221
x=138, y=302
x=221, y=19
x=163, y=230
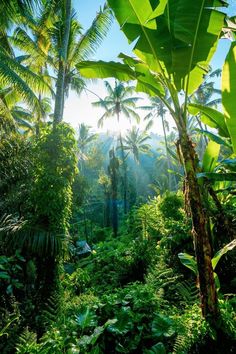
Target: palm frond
x=91, y=40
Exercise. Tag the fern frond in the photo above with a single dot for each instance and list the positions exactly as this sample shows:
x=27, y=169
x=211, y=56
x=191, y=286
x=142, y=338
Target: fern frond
x=27, y=342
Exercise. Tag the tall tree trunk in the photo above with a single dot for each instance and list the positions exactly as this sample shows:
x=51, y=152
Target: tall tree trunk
x=113, y=167
x=107, y=211
x=125, y=179
x=202, y=246
x=60, y=87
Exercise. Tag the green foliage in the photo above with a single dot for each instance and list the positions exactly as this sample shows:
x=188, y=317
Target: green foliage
x=171, y=206
x=227, y=320
x=77, y=282
x=191, y=328
x=162, y=218
x=27, y=343
x=228, y=92
x=15, y=174
x=188, y=261
x=11, y=273
x=56, y=166
x=118, y=262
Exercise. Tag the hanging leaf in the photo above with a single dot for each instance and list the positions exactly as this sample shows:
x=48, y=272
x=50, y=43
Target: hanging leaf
x=229, y=93
x=101, y=69
x=188, y=261
x=210, y=157
x=210, y=117
x=229, y=247
x=216, y=138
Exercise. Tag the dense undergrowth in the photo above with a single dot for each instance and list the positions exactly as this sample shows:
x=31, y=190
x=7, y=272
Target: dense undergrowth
x=130, y=295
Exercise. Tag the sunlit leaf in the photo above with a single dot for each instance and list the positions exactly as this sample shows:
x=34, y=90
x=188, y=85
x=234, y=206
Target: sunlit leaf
x=229, y=93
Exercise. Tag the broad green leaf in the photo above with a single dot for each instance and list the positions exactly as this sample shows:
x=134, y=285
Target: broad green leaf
x=101, y=69
x=229, y=247
x=175, y=38
x=86, y=319
x=211, y=117
x=162, y=326
x=124, y=322
x=196, y=29
x=230, y=164
x=147, y=81
x=188, y=261
x=216, y=138
x=210, y=157
x=213, y=176
x=229, y=93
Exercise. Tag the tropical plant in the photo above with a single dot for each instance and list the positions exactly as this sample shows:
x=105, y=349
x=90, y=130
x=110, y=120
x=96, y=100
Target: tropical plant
x=119, y=102
x=85, y=137
x=113, y=173
x=70, y=49
x=176, y=62
x=135, y=143
x=157, y=110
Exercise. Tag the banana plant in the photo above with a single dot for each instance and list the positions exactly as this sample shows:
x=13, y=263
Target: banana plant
x=189, y=261
x=174, y=44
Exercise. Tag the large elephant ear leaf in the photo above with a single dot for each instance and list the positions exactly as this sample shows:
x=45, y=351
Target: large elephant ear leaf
x=196, y=29
x=176, y=38
x=138, y=22
x=229, y=93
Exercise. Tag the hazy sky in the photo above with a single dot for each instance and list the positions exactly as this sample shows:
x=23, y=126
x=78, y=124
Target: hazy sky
x=79, y=109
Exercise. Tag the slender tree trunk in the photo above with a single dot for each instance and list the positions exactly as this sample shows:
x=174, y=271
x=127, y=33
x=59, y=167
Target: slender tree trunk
x=107, y=211
x=202, y=246
x=113, y=167
x=60, y=87
x=125, y=179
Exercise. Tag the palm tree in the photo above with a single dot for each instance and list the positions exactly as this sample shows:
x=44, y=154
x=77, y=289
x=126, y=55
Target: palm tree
x=36, y=47
x=20, y=118
x=70, y=46
x=135, y=143
x=16, y=76
x=113, y=171
x=205, y=92
x=157, y=109
x=58, y=42
x=119, y=102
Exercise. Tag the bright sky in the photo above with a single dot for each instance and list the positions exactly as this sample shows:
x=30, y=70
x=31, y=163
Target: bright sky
x=80, y=109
